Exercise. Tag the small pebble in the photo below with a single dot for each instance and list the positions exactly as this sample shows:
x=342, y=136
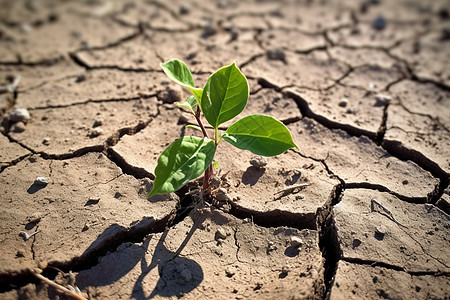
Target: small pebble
x=379, y=23
x=92, y=201
x=209, y=30
x=46, y=141
x=382, y=100
x=42, y=265
x=343, y=103
x=234, y=32
x=18, y=127
x=184, y=9
x=220, y=234
x=214, y=182
x=86, y=227
x=19, y=115
x=171, y=94
x=96, y=132
x=271, y=247
x=380, y=230
x=222, y=195
x=351, y=110
x=276, y=54
x=182, y=120
x=80, y=78
x=296, y=241
x=98, y=122
x=43, y=181
x=258, y=161
x=34, y=218
x=25, y=27
x=20, y=253
x=229, y=272
x=445, y=35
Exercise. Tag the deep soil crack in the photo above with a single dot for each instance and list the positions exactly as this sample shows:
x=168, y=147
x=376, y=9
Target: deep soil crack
x=328, y=242
x=374, y=263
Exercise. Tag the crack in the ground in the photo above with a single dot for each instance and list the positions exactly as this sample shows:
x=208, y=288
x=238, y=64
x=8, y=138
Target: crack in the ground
x=275, y=218
x=423, y=250
x=328, y=241
x=14, y=162
x=401, y=152
x=72, y=104
x=79, y=61
x=307, y=112
x=43, y=62
x=382, y=188
x=374, y=263
x=114, y=43
x=381, y=131
x=89, y=258
x=430, y=117
x=251, y=59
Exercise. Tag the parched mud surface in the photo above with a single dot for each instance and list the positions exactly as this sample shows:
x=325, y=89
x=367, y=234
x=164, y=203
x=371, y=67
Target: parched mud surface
x=360, y=211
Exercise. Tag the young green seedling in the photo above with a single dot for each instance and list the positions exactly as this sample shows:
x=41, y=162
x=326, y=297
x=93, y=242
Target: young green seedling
x=224, y=97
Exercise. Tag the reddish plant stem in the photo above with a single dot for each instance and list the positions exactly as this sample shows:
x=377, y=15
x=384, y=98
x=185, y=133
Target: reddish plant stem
x=209, y=170
x=197, y=117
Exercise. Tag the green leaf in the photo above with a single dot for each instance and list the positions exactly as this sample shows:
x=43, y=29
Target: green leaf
x=216, y=165
x=178, y=71
x=225, y=95
x=261, y=134
x=194, y=127
x=183, y=160
x=190, y=104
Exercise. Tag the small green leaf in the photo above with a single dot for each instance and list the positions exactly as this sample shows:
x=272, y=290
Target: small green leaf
x=190, y=104
x=225, y=95
x=261, y=134
x=183, y=160
x=216, y=165
x=194, y=127
x=178, y=71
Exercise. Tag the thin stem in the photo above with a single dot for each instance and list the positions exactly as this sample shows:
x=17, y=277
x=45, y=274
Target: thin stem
x=209, y=170
x=197, y=117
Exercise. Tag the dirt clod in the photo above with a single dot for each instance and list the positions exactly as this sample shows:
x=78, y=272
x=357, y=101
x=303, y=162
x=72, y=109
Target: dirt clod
x=220, y=234
x=171, y=94
x=18, y=127
x=19, y=115
x=42, y=181
x=258, y=161
x=296, y=241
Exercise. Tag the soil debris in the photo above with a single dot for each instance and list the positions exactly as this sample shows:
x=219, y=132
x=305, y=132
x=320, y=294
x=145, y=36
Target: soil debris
x=258, y=161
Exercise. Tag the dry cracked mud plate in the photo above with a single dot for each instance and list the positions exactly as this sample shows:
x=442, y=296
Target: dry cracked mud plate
x=70, y=212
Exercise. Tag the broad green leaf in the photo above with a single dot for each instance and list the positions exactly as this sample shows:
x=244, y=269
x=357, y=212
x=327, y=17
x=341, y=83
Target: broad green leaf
x=190, y=104
x=178, y=71
x=224, y=95
x=261, y=134
x=183, y=160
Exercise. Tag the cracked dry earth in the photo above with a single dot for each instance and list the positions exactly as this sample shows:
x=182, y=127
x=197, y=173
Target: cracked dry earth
x=360, y=211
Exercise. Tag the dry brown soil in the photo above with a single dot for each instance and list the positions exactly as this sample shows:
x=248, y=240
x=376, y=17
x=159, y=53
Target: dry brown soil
x=363, y=85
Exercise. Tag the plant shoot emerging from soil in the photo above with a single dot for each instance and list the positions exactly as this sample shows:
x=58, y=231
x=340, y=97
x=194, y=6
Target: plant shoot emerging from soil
x=223, y=97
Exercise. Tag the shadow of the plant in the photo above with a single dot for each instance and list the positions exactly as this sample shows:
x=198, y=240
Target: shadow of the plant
x=178, y=275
